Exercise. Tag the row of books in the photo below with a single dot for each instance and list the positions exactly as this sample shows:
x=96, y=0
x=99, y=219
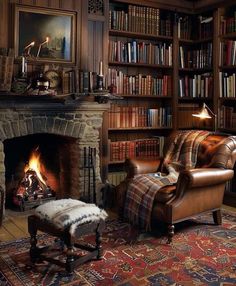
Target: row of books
x=227, y=84
x=142, y=148
x=198, y=85
x=185, y=27
x=228, y=24
x=196, y=58
x=227, y=117
x=205, y=27
x=228, y=52
x=140, y=84
x=78, y=81
x=140, y=20
x=140, y=52
x=139, y=116
x=201, y=28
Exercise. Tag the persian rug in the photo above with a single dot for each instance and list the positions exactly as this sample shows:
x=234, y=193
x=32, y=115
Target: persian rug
x=201, y=254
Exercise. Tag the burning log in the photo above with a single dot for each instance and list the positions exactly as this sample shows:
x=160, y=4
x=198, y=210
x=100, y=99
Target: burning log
x=33, y=187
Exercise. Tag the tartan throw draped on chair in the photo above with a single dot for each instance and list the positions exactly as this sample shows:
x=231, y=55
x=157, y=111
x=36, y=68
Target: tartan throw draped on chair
x=182, y=155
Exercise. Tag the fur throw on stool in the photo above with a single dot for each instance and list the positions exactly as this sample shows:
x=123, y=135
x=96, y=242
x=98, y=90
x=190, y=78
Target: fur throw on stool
x=69, y=213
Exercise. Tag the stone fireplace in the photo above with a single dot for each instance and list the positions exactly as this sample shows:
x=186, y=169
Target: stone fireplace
x=68, y=128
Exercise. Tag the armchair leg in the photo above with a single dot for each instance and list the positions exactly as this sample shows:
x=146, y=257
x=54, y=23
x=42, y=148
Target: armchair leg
x=217, y=217
x=171, y=232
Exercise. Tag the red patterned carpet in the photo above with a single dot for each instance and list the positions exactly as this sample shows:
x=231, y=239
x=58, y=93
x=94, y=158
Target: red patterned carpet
x=201, y=254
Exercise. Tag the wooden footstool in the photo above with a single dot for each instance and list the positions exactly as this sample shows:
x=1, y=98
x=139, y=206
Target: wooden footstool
x=67, y=220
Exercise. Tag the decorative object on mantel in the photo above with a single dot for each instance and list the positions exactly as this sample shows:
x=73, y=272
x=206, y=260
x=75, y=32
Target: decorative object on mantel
x=41, y=87
x=105, y=96
x=20, y=85
x=54, y=78
x=100, y=77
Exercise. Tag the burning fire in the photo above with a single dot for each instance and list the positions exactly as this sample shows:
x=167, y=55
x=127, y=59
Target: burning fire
x=35, y=164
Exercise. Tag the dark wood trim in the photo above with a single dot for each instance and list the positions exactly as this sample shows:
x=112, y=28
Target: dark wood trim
x=173, y=5
x=204, y=5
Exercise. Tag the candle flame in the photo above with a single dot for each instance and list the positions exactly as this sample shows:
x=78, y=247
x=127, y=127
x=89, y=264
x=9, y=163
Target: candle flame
x=30, y=45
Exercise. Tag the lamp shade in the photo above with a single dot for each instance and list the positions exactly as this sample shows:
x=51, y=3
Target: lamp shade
x=203, y=113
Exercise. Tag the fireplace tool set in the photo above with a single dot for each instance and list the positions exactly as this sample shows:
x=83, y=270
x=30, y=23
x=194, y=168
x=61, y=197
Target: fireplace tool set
x=89, y=166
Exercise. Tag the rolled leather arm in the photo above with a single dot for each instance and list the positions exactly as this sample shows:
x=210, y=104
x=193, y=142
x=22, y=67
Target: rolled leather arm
x=205, y=176
x=140, y=166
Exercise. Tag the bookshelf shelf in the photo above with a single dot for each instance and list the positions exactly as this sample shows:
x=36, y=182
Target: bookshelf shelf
x=141, y=65
x=227, y=98
x=150, y=37
x=194, y=99
x=145, y=96
x=228, y=130
x=195, y=70
x=228, y=36
x=195, y=42
x=138, y=128
x=116, y=162
x=228, y=67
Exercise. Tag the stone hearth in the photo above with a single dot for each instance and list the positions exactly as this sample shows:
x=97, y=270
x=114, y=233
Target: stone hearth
x=77, y=119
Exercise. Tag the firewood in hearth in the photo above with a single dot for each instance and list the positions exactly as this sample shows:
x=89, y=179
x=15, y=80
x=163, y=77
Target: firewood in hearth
x=31, y=187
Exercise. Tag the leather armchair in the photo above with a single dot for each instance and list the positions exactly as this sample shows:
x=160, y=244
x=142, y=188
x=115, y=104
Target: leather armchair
x=196, y=191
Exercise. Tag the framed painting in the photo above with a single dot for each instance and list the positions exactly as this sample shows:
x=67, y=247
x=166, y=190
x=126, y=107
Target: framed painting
x=44, y=34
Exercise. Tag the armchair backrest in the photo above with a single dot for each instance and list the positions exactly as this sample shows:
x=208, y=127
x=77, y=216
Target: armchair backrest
x=216, y=150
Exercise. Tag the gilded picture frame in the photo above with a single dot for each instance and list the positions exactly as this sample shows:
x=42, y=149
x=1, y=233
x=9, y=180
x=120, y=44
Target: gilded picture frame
x=43, y=34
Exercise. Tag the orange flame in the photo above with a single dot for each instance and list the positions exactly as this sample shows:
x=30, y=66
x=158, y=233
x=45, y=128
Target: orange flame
x=35, y=164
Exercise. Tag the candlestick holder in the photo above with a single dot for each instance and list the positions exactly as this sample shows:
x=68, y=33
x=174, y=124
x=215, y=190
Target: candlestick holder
x=100, y=82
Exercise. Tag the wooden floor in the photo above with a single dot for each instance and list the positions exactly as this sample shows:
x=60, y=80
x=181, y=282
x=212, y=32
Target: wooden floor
x=15, y=224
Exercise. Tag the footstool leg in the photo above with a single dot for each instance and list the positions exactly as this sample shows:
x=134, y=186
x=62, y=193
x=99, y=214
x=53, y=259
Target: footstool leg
x=70, y=259
x=98, y=244
x=171, y=232
x=34, y=252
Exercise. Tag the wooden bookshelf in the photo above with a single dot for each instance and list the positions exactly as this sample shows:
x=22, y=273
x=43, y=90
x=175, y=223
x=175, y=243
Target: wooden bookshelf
x=195, y=67
x=140, y=67
x=226, y=73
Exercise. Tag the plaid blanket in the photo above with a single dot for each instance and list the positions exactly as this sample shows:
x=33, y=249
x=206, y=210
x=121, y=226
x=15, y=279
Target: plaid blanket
x=182, y=155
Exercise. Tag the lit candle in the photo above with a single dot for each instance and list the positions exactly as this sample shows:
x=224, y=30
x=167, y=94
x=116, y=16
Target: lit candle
x=100, y=69
x=23, y=65
x=40, y=46
x=28, y=48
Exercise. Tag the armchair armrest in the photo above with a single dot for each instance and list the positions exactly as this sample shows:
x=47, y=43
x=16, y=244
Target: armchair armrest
x=197, y=190
x=208, y=176
x=142, y=166
x=198, y=178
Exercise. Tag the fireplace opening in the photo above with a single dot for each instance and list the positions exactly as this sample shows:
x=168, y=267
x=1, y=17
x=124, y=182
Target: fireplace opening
x=38, y=168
